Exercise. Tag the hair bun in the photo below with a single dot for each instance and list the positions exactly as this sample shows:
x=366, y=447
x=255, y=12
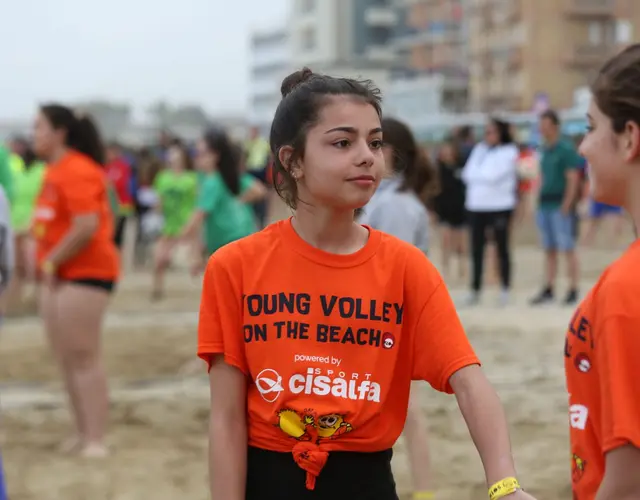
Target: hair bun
x=294, y=79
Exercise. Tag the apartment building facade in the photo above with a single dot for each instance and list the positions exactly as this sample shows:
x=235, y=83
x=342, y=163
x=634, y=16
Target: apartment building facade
x=523, y=52
x=344, y=38
x=431, y=47
x=270, y=63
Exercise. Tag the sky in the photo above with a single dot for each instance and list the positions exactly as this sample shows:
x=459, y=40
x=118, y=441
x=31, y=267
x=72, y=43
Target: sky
x=136, y=51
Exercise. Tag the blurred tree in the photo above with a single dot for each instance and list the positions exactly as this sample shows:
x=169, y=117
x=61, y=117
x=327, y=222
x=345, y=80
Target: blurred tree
x=111, y=117
x=160, y=113
x=189, y=114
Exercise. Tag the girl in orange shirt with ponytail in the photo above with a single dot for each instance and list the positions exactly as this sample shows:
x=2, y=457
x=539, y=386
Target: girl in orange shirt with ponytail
x=78, y=263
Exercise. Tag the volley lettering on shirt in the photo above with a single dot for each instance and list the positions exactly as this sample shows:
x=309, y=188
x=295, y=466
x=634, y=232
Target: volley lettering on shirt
x=383, y=314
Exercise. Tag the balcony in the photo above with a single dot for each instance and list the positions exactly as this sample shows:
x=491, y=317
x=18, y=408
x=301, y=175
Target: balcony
x=435, y=33
x=589, y=9
x=513, y=12
x=588, y=56
x=378, y=15
x=515, y=59
x=381, y=53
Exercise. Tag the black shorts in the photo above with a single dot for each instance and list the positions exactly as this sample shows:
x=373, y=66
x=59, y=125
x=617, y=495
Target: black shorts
x=346, y=476
x=106, y=285
x=455, y=218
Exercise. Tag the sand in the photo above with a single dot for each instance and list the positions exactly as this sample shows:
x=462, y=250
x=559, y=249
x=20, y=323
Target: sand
x=159, y=416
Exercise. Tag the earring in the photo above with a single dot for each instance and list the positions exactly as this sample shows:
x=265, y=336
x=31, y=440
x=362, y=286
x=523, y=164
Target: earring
x=293, y=175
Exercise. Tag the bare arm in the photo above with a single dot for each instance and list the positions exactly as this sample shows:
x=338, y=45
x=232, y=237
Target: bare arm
x=571, y=191
x=195, y=223
x=227, y=431
x=82, y=229
x=622, y=474
x=256, y=192
x=482, y=410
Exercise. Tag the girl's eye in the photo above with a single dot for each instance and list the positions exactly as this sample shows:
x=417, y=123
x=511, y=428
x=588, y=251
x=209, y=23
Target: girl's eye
x=341, y=144
x=589, y=128
x=377, y=143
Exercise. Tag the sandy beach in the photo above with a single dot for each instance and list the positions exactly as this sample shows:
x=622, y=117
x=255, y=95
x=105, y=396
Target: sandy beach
x=159, y=416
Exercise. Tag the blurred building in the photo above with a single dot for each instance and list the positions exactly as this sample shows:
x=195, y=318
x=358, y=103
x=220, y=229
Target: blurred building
x=344, y=38
x=431, y=54
x=270, y=63
x=523, y=52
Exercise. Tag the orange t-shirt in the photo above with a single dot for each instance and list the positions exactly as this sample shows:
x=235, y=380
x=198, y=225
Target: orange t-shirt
x=73, y=186
x=602, y=370
x=329, y=343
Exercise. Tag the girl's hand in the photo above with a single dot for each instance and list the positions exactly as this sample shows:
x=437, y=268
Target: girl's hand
x=48, y=274
x=197, y=268
x=519, y=495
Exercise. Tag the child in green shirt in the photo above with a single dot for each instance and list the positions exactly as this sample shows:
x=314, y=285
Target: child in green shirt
x=177, y=188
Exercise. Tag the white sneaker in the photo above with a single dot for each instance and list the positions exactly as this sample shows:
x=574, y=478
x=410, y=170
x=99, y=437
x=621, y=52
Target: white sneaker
x=470, y=300
x=504, y=299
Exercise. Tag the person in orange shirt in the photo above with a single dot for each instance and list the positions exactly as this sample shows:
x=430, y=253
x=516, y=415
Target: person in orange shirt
x=603, y=339
x=314, y=328
x=77, y=261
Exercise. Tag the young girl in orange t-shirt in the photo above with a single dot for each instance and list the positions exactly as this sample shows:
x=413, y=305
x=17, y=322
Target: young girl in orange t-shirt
x=603, y=340
x=78, y=263
x=315, y=327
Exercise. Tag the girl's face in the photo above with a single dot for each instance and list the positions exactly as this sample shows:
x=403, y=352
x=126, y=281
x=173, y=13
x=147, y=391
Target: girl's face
x=175, y=158
x=389, y=160
x=205, y=159
x=610, y=157
x=46, y=139
x=491, y=134
x=447, y=154
x=343, y=160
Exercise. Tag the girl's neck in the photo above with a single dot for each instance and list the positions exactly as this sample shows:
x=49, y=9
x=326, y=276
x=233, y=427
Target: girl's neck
x=329, y=230
x=632, y=205
x=57, y=154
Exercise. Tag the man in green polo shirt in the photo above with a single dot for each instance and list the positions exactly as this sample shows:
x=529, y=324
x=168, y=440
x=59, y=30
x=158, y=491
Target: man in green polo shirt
x=556, y=217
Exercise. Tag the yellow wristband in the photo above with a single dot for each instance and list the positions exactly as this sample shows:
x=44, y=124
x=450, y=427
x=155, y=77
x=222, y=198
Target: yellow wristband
x=503, y=488
x=424, y=495
x=48, y=267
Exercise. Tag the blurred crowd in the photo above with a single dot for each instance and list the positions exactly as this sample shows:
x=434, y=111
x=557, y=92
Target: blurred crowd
x=481, y=187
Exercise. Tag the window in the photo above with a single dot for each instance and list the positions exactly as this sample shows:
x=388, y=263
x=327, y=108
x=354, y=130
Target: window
x=307, y=6
x=308, y=39
x=595, y=33
x=623, y=31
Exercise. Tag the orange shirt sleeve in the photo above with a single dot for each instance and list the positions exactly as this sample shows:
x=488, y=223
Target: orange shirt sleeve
x=617, y=349
x=220, y=323
x=440, y=345
x=85, y=193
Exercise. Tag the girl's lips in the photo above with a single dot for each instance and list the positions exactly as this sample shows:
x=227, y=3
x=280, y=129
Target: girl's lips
x=364, y=181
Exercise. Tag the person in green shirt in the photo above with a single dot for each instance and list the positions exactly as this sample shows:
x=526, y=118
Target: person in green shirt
x=223, y=210
x=556, y=217
x=6, y=177
x=177, y=189
x=27, y=174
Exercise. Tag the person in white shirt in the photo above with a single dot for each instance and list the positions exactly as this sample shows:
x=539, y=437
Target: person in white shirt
x=491, y=178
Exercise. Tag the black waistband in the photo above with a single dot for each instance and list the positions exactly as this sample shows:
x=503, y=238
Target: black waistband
x=346, y=476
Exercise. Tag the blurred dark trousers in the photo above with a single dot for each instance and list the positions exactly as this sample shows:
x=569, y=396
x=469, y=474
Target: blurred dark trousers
x=498, y=223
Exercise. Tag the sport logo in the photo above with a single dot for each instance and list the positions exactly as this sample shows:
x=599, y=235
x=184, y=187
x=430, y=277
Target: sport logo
x=582, y=362
x=269, y=384
x=388, y=340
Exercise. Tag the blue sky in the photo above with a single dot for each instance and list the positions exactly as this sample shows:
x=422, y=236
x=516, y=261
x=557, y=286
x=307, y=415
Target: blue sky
x=136, y=51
